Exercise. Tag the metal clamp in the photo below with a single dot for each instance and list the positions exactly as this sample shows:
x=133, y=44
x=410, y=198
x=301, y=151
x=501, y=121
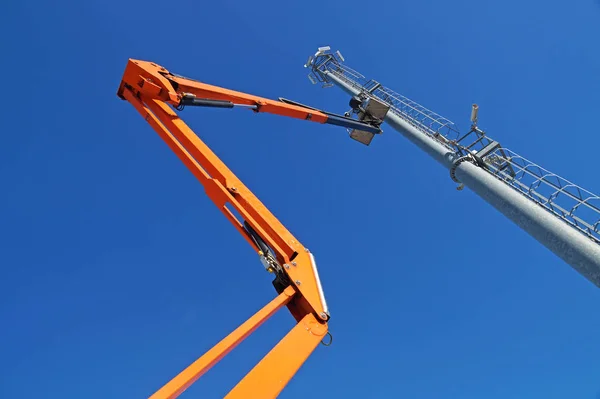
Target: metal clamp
x=466, y=158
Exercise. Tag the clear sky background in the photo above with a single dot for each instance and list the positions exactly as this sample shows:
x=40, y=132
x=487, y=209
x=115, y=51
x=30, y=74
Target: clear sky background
x=117, y=271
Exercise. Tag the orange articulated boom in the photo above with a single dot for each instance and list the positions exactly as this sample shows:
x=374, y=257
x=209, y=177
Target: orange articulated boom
x=154, y=81
x=153, y=91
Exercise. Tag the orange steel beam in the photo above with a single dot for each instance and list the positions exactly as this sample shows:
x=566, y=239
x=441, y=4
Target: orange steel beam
x=156, y=82
x=268, y=378
x=152, y=91
x=225, y=189
x=188, y=376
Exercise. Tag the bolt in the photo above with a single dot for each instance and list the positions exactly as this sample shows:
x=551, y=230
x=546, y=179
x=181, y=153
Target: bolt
x=233, y=189
x=323, y=315
x=293, y=263
x=306, y=250
x=286, y=265
x=297, y=282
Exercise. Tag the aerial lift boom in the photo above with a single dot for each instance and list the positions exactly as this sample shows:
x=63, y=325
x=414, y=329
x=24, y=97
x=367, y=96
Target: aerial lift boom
x=153, y=91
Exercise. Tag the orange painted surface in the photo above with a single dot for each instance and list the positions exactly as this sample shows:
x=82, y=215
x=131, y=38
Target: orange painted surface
x=268, y=378
x=152, y=90
x=155, y=82
x=188, y=376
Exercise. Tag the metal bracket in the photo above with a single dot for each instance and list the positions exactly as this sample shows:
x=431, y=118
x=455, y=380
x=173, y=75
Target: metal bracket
x=373, y=113
x=487, y=150
x=362, y=136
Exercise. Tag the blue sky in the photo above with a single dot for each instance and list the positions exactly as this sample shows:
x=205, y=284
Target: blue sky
x=117, y=271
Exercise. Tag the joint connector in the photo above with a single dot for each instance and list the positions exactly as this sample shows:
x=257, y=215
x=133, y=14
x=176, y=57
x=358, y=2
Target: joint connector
x=467, y=158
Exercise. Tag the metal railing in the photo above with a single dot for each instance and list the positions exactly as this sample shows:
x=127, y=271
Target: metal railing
x=577, y=207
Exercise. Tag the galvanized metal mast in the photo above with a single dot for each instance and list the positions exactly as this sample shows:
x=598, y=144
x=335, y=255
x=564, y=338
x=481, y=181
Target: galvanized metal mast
x=562, y=216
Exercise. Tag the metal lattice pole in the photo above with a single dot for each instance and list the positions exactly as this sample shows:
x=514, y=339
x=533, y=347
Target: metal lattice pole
x=562, y=216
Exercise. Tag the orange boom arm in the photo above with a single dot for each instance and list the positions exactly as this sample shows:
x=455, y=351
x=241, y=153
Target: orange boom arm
x=152, y=90
x=153, y=81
